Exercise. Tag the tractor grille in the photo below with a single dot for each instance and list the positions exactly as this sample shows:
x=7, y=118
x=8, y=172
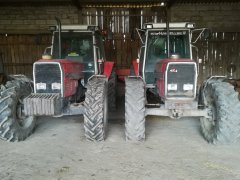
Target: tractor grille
x=181, y=80
x=47, y=78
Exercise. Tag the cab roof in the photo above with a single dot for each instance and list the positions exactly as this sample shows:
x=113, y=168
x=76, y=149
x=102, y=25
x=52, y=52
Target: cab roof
x=172, y=25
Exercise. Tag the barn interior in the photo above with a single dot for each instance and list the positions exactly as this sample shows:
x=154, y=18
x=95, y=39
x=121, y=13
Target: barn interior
x=174, y=148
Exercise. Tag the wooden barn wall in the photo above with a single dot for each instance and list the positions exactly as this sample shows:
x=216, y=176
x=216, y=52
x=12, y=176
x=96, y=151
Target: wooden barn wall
x=18, y=52
x=216, y=54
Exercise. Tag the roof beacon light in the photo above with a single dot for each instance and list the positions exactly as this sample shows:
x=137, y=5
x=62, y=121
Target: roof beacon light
x=93, y=28
x=190, y=25
x=148, y=26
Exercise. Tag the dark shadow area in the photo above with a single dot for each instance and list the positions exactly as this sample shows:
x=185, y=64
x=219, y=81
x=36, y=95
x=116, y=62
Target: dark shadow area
x=117, y=116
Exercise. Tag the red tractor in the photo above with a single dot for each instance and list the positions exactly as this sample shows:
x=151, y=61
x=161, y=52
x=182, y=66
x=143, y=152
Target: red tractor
x=72, y=78
x=164, y=83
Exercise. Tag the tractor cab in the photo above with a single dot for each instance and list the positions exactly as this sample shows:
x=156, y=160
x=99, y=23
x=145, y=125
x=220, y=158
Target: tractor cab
x=155, y=46
x=82, y=44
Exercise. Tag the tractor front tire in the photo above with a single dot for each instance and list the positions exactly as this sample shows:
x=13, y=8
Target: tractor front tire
x=224, y=110
x=14, y=125
x=134, y=109
x=95, y=116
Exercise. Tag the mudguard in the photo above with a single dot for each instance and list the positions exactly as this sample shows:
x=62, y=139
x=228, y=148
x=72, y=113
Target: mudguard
x=108, y=66
x=135, y=67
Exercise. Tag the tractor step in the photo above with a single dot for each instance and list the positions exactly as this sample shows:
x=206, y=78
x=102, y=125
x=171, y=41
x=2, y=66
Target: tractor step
x=40, y=104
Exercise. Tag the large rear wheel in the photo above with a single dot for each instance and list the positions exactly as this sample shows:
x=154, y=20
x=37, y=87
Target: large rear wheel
x=95, y=116
x=223, y=104
x=134, y=109
x=14, y=125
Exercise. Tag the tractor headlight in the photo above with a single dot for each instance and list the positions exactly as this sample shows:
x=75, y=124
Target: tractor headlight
x=56, y=86
x=41, y=86
x=172, y=87
x=148, y=26
x=188, y=87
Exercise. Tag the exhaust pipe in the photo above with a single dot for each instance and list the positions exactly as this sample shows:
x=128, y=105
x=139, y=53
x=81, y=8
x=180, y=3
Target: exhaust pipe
x=59, y=38
x=168, y=32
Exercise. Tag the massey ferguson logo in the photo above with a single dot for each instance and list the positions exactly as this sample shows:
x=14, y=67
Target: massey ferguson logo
x=173, y=70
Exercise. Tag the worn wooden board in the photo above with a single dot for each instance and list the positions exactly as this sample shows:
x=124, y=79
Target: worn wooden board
x=20, y=51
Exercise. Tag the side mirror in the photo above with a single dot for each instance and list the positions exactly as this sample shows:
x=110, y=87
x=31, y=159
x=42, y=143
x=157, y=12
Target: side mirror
x=206, y=34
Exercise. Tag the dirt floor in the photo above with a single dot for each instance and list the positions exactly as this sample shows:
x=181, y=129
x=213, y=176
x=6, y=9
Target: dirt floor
x=174, y=149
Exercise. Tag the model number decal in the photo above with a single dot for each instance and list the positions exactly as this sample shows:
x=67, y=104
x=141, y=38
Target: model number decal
x=173, y=70
x=164, y=33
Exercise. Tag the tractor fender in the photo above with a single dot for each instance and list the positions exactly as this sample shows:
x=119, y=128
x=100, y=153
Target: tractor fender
x=20, y=77
x=139, y=78
x=108, y=67
x=135, y=67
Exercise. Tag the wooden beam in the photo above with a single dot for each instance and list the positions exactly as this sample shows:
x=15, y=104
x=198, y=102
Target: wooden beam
x=77, y=4
x=35, y=3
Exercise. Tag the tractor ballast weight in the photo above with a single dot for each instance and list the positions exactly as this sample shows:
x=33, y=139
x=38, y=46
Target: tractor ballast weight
x=164, y=83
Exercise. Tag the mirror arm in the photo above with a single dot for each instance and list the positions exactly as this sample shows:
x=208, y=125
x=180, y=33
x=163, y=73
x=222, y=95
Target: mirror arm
x=202, y=30
x=138, y=31
x=198, y=68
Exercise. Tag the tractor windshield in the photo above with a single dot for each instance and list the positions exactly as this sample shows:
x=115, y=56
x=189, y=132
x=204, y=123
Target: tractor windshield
x=157, y=49
x=157, y=44
x=75, y=46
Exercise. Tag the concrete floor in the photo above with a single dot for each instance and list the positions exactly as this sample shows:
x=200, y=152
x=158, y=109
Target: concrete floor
x=174, y=149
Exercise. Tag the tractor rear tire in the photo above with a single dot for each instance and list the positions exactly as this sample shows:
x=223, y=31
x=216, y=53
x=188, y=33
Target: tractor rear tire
x=95, y=116
x=223, y=104
x=14, y=125
x=134, y=109
x=112, y=89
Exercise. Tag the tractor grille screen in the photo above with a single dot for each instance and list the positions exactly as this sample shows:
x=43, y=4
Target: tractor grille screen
x=181, y=80
x=47, y=78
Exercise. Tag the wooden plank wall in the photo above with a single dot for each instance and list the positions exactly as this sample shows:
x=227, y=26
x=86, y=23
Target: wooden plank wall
x=218, y=53
x=20, y=51
x=121, y=22
x=122, y=49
